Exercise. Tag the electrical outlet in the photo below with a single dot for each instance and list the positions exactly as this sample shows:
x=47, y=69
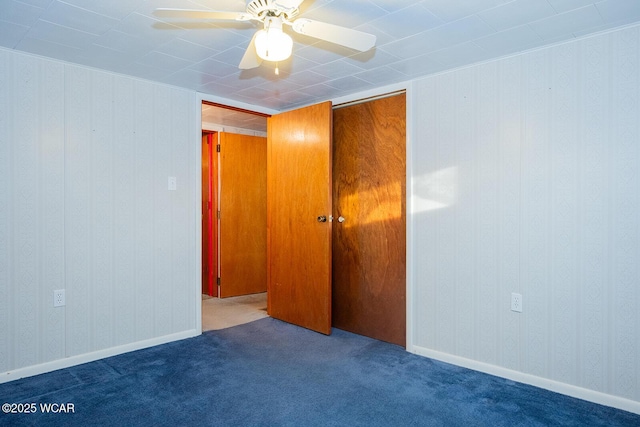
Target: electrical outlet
x=516, y=302
x=58, y=298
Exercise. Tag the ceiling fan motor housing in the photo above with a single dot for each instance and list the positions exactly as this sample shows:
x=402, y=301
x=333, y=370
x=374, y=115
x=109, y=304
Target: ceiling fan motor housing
x=260, y=9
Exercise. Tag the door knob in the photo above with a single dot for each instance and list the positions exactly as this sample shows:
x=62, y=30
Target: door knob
x=340, y=219
x=322, y=218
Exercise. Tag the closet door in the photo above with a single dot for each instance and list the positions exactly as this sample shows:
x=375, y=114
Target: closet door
x=369, y=242
x=299, y=209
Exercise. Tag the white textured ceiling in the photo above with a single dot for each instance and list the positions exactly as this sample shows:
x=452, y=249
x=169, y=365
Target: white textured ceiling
x=415, y=38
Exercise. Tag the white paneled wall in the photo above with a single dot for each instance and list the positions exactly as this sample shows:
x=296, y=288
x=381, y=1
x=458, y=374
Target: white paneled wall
x=527, y=179
x=84, y=206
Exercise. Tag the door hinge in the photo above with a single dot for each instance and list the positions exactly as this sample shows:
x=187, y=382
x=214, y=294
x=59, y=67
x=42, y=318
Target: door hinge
x=218, y=148
x=218, y=281
x=218, y=214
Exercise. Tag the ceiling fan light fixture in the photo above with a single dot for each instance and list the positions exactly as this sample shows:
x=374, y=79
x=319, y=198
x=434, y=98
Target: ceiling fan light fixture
x=273, y=44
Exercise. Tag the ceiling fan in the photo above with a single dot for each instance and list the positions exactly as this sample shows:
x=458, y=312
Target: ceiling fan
x=272, y=43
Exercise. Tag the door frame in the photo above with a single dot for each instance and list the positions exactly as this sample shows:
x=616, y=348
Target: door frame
x=197, y=155
x=196, y=159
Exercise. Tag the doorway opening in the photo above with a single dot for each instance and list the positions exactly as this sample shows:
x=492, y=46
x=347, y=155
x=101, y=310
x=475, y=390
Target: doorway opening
x=233, y=156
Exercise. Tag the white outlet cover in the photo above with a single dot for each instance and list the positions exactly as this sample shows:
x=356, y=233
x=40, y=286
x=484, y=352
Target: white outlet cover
x=59, y=298
x=516, y=302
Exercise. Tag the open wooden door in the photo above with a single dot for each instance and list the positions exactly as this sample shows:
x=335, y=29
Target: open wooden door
x=298, y=217
x=243, y=214
x=209, y=206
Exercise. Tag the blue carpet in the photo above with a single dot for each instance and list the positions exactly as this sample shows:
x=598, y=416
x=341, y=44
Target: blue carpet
x=269, y=373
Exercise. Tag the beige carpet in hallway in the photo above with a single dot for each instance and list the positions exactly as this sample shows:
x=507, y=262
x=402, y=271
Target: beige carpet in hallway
x=220, y=313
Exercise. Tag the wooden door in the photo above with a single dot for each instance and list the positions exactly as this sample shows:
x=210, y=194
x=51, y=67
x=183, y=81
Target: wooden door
x=243, y=214
x=369, y=247
x=209, y=222
x=298, y=192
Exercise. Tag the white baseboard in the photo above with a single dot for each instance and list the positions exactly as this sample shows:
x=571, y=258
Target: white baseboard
x=547, y=384
x=67, y=362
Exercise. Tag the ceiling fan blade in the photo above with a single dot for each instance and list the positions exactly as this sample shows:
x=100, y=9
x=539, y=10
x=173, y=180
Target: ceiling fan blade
x=250, y=58
x=201, y=14
x=335, y=34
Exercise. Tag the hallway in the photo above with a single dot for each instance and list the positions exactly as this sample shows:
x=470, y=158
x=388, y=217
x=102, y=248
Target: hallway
x=220, y=313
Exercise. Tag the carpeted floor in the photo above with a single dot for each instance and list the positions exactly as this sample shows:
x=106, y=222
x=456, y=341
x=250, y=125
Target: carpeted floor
x=269, y=373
